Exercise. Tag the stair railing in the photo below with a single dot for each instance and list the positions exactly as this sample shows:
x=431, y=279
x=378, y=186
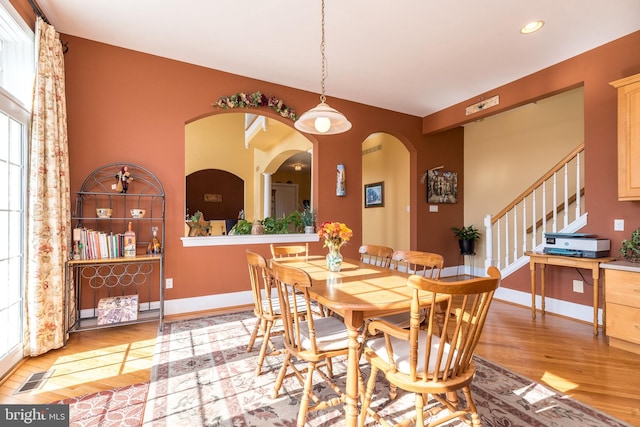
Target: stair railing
x=521, y=226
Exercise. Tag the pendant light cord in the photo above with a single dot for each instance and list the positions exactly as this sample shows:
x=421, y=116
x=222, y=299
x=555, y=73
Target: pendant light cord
x=324, y=60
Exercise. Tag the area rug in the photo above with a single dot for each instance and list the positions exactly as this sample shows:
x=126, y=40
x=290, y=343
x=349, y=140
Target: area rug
x=123, y=406
x=203, y=376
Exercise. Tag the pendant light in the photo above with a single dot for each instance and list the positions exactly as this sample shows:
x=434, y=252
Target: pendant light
x=322, y=119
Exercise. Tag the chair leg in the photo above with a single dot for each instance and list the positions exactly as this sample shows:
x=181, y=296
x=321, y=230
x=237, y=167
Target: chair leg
x=266, y=340
x=419, y=409
x=452, y=397
x=366, y=400
x=329, y=367
x=393, y=391
x=254, y=335
x=281, y=375
x=475, y=418
x=304, y=403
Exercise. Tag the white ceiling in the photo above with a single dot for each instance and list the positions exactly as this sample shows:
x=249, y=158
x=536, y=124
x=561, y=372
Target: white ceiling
x=410, y=56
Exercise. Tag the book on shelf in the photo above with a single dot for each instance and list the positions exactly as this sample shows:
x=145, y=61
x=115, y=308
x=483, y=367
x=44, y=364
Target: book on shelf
x=93, y=244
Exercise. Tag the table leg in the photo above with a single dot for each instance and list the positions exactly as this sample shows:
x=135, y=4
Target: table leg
x=542, y=284
x=596, y=294
x=354, y=322
x=532, y=267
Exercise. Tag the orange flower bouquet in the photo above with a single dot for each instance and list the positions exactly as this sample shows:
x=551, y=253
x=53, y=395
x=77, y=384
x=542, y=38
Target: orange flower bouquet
x=335, y=235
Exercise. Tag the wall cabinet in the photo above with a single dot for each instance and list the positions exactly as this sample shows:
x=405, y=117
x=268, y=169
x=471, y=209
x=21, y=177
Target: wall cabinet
x=103, y=287
x=628, y=137
x=622, y=300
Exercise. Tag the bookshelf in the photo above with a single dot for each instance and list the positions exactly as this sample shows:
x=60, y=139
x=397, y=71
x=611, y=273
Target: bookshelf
x=103, y=287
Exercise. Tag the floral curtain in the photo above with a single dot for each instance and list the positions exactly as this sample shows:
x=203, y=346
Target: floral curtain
x=48, y=205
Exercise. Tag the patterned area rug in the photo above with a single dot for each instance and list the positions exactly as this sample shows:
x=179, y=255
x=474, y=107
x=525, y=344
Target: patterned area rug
x=118, y=407
x=203, y=376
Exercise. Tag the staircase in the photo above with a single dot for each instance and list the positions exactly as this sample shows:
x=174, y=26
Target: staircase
x=553, y=204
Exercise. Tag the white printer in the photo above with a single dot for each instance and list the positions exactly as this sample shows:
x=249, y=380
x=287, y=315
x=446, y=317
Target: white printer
x=576, y=244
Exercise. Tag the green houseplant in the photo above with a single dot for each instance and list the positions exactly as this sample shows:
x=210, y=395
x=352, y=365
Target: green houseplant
x=466, y=238
x=242, y=227
x=308, y=220
x=282, y=225
x=630, y=249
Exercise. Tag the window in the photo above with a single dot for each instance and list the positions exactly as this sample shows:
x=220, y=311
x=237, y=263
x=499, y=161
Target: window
x=17, y=57
x=16, y=77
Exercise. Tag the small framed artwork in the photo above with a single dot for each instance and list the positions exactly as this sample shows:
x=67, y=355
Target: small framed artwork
x=442, y=187
x=374, y=195
x=212, y=198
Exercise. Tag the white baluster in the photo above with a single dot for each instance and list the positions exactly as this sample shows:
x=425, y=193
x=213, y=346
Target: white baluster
x=555, y=203
x=488, y=262
x=578, y=187
x=566, y=195
x=534, y=228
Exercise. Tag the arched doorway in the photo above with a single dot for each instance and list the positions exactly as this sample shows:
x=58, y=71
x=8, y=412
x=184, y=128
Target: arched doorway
x=385, y=160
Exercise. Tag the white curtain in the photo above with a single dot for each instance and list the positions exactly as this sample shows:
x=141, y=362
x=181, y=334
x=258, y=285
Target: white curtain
x=48, y=205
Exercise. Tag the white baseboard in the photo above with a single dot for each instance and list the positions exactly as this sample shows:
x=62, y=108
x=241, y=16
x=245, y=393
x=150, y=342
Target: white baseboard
x=211, y=302
x=207, y=302
x=552, y=305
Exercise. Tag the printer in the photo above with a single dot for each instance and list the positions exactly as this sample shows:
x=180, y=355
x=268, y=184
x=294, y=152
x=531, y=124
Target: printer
x=576, y=244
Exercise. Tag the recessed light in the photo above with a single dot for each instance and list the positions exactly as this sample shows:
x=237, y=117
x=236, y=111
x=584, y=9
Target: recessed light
x=532, y=27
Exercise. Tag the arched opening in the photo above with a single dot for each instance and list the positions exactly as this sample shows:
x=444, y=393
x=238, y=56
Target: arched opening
x=262, y=152
x=385, y=160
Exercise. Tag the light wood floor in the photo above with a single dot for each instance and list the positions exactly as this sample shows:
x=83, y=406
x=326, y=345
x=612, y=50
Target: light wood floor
x=552, y=350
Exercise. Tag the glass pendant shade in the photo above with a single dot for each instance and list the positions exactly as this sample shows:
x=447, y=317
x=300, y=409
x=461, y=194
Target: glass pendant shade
x=323, y=120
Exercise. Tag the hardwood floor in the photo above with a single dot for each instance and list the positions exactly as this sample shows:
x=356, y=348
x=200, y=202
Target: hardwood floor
x=559, y=352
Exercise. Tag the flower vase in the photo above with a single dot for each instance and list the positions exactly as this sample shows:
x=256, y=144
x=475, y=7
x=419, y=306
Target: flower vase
x=334, y=260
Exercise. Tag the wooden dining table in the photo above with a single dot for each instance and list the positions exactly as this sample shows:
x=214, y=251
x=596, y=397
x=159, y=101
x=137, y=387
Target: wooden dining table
x=358, y=292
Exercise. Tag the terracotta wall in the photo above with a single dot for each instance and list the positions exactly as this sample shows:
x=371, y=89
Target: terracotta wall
x=129, y=106
x=594, y=70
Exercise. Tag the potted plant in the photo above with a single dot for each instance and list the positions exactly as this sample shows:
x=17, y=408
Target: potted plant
x=466, y=238
x=308, y=221
x=241, y=227
x=630, y=249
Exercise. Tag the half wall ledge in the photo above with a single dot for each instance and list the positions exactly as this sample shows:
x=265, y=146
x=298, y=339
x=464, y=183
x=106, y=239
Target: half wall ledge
x=248, y=239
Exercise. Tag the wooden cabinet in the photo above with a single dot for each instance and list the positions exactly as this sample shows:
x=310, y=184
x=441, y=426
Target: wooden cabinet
x=99, y=278
x=622, y=299
x=628, y=137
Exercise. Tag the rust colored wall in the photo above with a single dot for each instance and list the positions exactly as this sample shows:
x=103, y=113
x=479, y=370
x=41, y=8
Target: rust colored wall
x=593, y=69
x=215, y=182
x=445, y=148
x=25, y=10
x=129, y=106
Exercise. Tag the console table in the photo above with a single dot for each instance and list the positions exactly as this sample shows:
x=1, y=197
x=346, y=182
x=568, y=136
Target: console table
x=543, y=259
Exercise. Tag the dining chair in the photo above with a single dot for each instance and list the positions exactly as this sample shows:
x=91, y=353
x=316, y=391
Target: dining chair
x=425, y=264
x=378, y=255
x=266, y=307
x=289, y=250
x=314, y=340
x=430, y=363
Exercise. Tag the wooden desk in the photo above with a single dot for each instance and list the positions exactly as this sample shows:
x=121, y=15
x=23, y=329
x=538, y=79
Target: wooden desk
x=358, y=292
x=543, y=259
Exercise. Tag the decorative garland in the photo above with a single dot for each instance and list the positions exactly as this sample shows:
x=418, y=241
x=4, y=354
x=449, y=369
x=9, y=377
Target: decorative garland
x=256, y=100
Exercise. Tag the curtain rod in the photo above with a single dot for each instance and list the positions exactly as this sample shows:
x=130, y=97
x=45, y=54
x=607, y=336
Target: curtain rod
x=38, y=11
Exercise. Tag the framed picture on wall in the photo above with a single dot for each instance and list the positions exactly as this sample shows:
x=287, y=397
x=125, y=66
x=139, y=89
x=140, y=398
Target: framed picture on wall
x=374, y=195
x=442, y=187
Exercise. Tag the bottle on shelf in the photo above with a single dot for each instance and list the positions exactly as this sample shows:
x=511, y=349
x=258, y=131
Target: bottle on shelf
x=154, y=246
x=130, y=242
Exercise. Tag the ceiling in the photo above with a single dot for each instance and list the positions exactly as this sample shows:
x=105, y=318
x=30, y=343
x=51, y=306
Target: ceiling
x=414, y=56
